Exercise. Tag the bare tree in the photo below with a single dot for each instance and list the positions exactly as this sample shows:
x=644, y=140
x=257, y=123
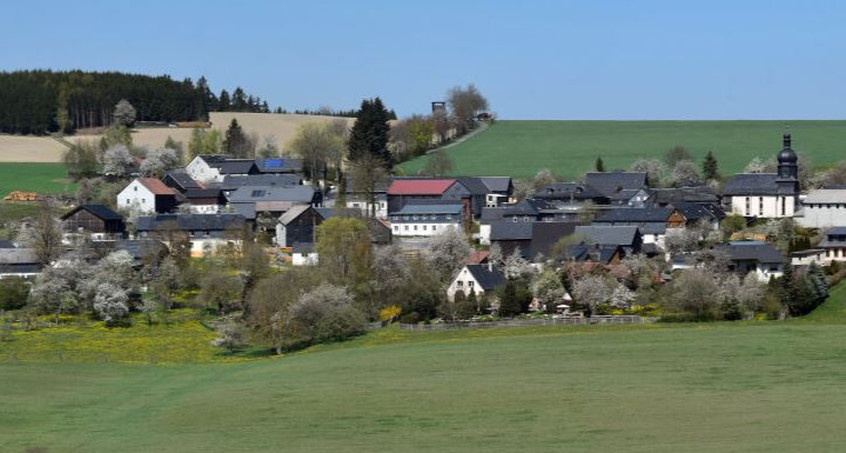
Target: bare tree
x=44, y=234
x=316, y=143
x=465, y=104
x=368, y=172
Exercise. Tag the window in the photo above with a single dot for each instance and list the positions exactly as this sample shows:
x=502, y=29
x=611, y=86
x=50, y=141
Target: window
x=405, y=228
x=470, y=283
x=143, y=200
x=783, y=205
x=396, y=227
x=424, y=227
x=257, y=193
x=748, y=210
x=760, y=205
x=459, y=283
x=415, y=227
x=828, y=253
x=434, y=227
x=449, y=217
x=136, y=188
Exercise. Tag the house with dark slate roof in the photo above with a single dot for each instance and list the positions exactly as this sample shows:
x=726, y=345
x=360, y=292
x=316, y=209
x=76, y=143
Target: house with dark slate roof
x=754, y=256
x=206, y=232
x=214, y=167
x=834, y=244
x=654, y=223
x=19, y=262
x=427, y=219
x=595, y=253
x=611, y=184
x=96, y=221
x=766, y=195
x=475, y=278
x=535, y=240
x=627, y=237
x=180, y=180
x=204, y=201
x=249, y=201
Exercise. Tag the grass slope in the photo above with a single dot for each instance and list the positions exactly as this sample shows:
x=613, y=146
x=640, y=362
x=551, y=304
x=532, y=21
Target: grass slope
x=570, y=148
x=764, y=387
x=35, y=177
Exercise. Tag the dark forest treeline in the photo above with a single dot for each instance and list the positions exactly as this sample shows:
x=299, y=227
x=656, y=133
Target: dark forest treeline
x=41, y=101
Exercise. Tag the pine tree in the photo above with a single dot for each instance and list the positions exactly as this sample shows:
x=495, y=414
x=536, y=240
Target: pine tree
x=225, y=102
x=600, y=165
x=788, y=289
x=369, y=135
x=710, y=167
x=236, y=143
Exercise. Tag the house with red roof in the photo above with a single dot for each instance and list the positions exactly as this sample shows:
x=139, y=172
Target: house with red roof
x=147, y=195
x=403, y=191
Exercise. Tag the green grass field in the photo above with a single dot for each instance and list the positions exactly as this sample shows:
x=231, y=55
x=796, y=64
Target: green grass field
x=752, y=387
x=41, y=178
x=570, y=148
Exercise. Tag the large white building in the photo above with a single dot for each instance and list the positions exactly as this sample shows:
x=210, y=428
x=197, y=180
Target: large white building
x=426, y=219
x=766, y=195
x=824, y=208
x=146, y=196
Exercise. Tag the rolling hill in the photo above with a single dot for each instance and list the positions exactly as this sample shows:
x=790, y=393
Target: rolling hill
x=570, y=148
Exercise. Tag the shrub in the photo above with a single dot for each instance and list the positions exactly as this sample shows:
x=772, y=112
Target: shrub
x=14, y=293
x=325, y=313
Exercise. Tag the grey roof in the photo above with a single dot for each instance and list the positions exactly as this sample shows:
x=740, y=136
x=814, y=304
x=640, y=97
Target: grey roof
x=836, y=231
x=825, y=196
x=246, y=210
x=232, y=182
x=475, y=185
x=191, y=222
x=292, y=214
x=183, y=179
x=695, y=211
x=701, y=194
x=592, y=252
x=507, y=230
x=100, y=211
x=567, y=191
x=751, y=184
x=139, y=248
x=608, y=235
x=497, y=183
x=17, y=256
x=621, y=215
x=4, y=244
x=528, y=207
x=610, y=183
x=236, y=166
x=488, y=277
x=752, y=251
x=440, y=208
x=303, y=194
x=545, y=235
x=203, y=193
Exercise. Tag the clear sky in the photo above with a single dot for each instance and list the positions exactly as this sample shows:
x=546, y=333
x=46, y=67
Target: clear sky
x=590, y=59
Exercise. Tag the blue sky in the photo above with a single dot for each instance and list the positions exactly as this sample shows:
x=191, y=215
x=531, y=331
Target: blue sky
x=532, y=59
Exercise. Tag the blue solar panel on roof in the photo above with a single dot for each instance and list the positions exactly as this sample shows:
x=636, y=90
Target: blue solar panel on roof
x=273, y=163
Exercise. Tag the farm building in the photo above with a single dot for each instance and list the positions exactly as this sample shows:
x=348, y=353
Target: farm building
x=96, y=221
x=147, y=195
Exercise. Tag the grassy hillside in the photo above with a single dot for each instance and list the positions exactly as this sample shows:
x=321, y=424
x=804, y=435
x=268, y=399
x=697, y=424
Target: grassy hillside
x=36, y=177
x=697, y=388
x=521, y=148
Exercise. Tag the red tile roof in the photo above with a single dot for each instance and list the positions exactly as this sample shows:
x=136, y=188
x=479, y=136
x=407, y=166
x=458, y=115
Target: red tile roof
x=156, y=186
x=419, y=186
x=477, y=257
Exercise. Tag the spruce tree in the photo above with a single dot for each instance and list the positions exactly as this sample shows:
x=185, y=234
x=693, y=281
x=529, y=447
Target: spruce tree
x=710, y=167
x=236, y=142
x=225, y=102
x=600, y=165
x=369, y=135
x=788, y=289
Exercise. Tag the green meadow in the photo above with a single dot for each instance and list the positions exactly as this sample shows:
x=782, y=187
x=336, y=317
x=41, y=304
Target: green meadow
x=713, y=387
x=34, y=177
x=570, y=148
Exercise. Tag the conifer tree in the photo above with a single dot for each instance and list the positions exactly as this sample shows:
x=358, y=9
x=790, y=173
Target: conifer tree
x=710, y=167
x=599, y=165
x=369, y=135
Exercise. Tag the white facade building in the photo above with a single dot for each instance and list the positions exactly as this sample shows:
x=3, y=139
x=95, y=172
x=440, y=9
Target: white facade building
x=824, y=208
x=426, y=219
x=146, y=195
x=475, y=278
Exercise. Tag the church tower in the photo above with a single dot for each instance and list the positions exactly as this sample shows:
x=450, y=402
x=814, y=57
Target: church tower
x=788, y=170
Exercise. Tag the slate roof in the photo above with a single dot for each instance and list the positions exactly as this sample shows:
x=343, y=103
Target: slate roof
x=609, y=183
x=545, y=235
x=752, y=251
x=203, y=193
x=701, y=194
x=236, y=166
x=488, y=277
x=440, y=208
x=156, y=187
x=498, y=184
x=139, y=248
x=292, y=214
x=100, y=211
x=232, y=182
x=4, y=244
x=507, y=230
x=608, y=235
x=602, y=254
x=191, y=222
x=490, y=215
x=419, y=186
x=751, y=184
x=474, y=185
x=567, y=191
x=825, y=196
x=183, y=179
x=634, y=215
x=528, y=207
x=17, y=257
x=693, y=212
x=303, y=194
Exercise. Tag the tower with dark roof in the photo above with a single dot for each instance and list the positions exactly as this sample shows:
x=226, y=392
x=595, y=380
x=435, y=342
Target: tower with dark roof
x=788, y=169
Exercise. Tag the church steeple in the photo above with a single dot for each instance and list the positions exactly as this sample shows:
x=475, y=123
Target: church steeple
x=788, y=168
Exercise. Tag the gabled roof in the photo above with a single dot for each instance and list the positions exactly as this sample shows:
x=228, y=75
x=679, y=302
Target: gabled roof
x=237, y=166
x=474, y=185
x=492, y=215
x=156, y=187
x=183, y=179
x=527, y=207
x=567, y=191
x=191, y=222
x=609, y=183
x=506, y=230
x=477, y=257
x=825, y=196
x=545, y=235
x=100, y=211
x=695, y=211
x=700, y=194
x=634, y=215
x=293, y=213
x=302, y=194
x=419, y=186
x=232, y=182
x=602, y=254
x=836, y=231
x=488, y=277
x=752, y=251
x=139, y=248
x=501, y=184
x=17, y=257
x=751, y=184
x=608, y=235
x=441, y=208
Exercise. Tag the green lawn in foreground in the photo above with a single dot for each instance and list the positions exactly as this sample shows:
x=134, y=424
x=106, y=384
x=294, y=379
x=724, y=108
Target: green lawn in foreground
x=41, y=178
x=766, y=387
x=570, y=148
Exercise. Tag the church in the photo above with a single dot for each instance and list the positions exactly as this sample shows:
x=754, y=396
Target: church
x=766, y=195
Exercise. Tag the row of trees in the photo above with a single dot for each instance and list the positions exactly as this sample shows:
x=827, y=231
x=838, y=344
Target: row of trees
x=43, y=101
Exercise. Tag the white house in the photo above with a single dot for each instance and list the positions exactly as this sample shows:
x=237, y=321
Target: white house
x=766, y=195
x=214, y=167
x=824, y=208
x=426, y=219
x=754, y=256
x=355, y=201
x=475, y=278
x=147, y=195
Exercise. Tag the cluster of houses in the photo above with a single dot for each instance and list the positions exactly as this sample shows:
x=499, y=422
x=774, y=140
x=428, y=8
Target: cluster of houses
x=607, y=216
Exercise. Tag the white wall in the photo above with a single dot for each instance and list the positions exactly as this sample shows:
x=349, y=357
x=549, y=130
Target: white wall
x=485, y=234
x=764, y=273
x=772, y=206
x=137, y=197
x=381, y=207
x=421, y=229
x=465, y=282
x=304, y=259
x=824, y=215
x=200, y=171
